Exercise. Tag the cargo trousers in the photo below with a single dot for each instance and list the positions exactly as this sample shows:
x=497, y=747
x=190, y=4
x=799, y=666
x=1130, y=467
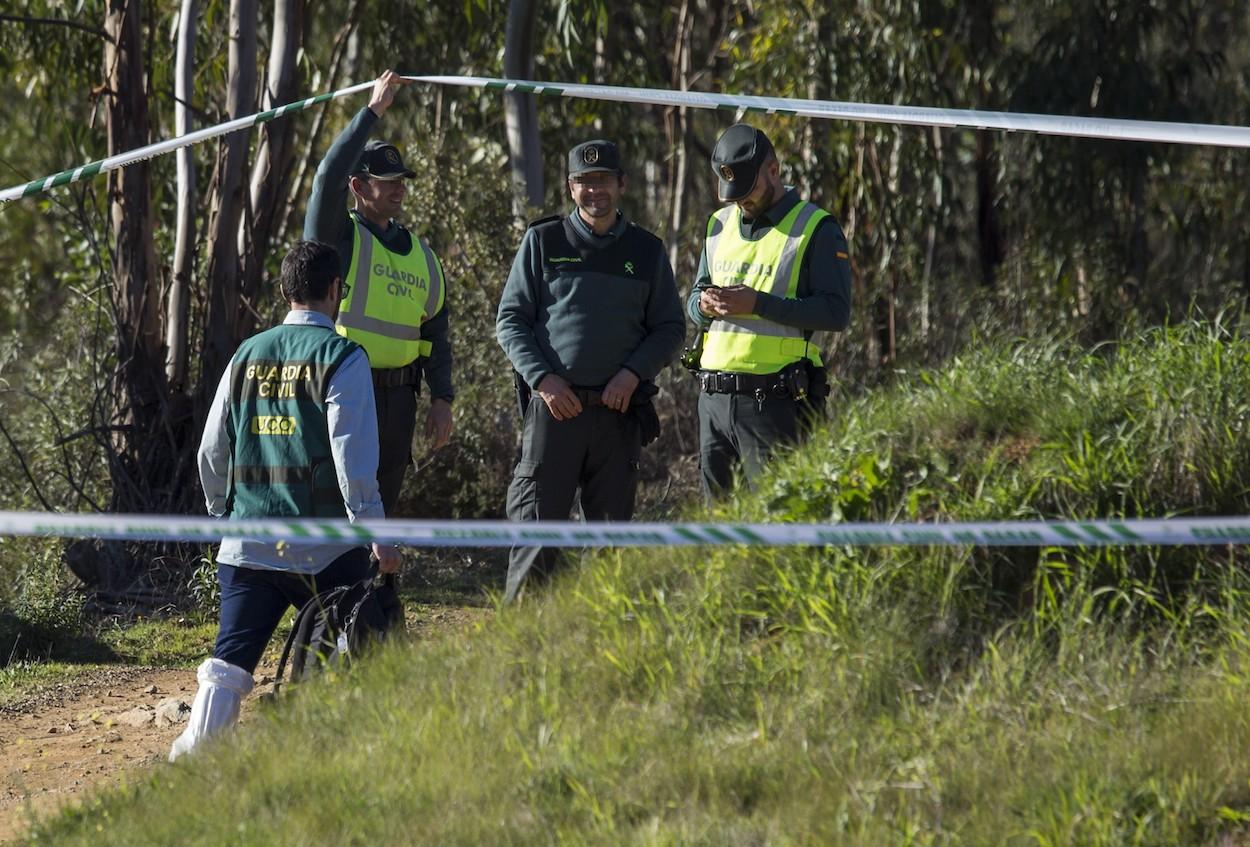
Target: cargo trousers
x=596, y=451
x=397, y=421
x=738, y=433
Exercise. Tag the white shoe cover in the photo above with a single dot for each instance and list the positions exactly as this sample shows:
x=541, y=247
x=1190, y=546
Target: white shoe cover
x=222, y=688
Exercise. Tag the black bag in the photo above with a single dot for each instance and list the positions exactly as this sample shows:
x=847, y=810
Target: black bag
x=337, y=624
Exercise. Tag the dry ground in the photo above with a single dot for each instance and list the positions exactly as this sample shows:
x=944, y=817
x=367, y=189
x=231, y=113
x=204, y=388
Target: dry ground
x=101, y=725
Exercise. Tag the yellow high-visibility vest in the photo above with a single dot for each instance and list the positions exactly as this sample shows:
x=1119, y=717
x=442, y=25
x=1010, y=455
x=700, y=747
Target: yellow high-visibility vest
x=390, y=297
x=749, y=343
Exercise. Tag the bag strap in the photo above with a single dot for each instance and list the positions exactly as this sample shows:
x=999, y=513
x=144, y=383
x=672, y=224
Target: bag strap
x=303, y=623
x=290, y=643
x=388, y=580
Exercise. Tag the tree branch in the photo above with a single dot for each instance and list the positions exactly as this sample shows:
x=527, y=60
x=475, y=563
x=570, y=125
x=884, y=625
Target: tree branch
x=23, y=19
x=21, y=459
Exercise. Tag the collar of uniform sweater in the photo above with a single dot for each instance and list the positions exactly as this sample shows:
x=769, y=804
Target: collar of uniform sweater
x=394, y=236
x=588, y=235
x=773, y=216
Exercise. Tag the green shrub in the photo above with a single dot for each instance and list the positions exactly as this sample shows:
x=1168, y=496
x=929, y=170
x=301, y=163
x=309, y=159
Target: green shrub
x=47, y=612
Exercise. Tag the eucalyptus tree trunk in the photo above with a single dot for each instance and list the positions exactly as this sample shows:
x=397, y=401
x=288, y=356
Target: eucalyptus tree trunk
x=136, y=423
x=176, y=316
x=271, y=170
x=520, y=112
x=989, y=228
x=221, y=333
x=139, y=378
x=681, y=136
x=817, y=135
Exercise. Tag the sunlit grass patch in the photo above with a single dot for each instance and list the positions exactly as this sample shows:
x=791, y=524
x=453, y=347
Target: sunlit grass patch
x=821, y=695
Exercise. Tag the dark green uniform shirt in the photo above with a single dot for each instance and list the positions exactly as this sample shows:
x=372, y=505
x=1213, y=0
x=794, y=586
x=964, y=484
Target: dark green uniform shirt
x=558, y=317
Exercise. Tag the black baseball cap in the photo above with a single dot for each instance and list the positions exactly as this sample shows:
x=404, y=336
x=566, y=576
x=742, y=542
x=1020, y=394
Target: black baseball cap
x=596, y=155
x=737, y=157
x=383, y=161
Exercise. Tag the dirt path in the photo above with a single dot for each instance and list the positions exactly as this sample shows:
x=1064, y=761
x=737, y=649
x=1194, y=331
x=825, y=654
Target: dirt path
x=90, y=731
x=78, y=734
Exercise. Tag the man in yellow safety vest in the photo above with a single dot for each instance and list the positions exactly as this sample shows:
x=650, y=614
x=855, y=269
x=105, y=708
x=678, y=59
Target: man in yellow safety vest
x=774, y=271
x=393, y=285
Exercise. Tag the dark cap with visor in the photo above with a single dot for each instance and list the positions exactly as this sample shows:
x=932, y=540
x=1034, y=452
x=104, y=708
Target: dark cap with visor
x=737, y=158
x=593, y=156
x=381, y=161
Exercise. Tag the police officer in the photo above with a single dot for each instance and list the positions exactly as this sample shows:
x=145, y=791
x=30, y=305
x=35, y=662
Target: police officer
x=588, y=317
x=773, y=272
x=393, y=285
x=291, y=433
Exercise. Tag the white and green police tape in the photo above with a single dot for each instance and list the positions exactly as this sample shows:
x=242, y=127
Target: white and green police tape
x=1108, y=128
x=160, y=148
x=1097, y=533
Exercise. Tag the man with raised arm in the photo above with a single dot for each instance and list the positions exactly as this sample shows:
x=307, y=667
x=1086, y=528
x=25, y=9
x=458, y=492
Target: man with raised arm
x=393, y=285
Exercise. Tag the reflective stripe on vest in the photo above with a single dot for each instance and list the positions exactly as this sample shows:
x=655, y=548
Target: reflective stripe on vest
x=748, y=343
x=391, y=296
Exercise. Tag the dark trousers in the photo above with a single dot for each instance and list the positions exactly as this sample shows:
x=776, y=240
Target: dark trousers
x=253, y=602
x=397, y=420
x=596, y=451
x=736, y=430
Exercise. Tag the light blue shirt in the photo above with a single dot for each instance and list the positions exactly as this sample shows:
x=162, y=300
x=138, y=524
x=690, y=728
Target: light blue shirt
x=353, y=425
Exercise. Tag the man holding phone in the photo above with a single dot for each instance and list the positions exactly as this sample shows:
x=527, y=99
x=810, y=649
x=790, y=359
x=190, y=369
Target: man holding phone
x=774, y=271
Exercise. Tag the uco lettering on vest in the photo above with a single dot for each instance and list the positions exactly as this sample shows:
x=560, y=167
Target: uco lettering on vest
x=274, y=425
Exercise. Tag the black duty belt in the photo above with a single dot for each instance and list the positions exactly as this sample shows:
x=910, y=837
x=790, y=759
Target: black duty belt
x=719, y=382
x=409, y=374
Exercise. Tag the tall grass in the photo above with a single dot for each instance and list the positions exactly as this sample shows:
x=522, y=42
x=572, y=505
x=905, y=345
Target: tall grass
x=728, y=696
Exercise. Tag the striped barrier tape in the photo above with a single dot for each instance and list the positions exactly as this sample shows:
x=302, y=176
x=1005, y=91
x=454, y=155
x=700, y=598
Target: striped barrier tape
x=1079, y=127
x=160, y=148
x=1096, y=533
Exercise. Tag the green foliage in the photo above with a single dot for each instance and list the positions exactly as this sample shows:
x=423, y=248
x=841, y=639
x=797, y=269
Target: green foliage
x=951, y=232
x=159, y=641
x=203, y=588
x=50, y=464
x=819, y=696
x=47, y=611
x=465, y=213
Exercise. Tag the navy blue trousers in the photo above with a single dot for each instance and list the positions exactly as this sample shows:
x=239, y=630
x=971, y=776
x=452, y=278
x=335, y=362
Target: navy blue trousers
x=253, y=602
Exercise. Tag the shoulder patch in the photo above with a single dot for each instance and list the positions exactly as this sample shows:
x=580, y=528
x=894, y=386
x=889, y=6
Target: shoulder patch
x=543, y=221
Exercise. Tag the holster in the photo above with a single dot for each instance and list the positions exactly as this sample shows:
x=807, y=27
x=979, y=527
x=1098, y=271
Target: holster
x=817, y=390
x=523, y=393
x=642, y=407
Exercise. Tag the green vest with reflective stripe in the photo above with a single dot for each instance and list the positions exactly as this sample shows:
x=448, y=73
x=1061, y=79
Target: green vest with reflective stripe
x=749, y=343
x=391, y=296
x=282, y=465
